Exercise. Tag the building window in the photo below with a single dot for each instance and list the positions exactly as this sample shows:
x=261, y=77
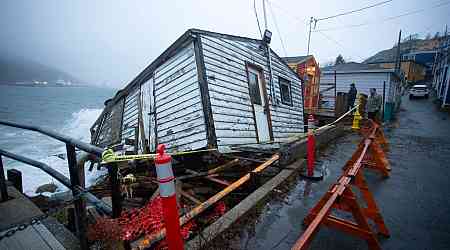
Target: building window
x=285, y=91
x=253, y=84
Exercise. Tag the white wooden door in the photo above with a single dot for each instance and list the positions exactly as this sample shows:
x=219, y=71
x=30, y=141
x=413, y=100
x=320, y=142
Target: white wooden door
x=256, y=90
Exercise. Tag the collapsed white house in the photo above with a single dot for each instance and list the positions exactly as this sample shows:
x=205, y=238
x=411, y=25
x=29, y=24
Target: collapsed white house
x=207, y=90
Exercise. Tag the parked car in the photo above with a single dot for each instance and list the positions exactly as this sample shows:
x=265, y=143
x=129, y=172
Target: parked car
x=419, y=91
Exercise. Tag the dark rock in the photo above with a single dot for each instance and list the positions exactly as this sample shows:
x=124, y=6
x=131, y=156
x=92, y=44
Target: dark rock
x=50, y=187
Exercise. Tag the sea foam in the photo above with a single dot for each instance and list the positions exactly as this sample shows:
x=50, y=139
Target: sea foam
x=47, y=150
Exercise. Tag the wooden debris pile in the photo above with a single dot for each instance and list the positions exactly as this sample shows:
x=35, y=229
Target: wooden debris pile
x=207, y=185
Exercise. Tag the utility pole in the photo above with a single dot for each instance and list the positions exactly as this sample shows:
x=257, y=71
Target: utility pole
x=309, y=36
x=265, y=15
x=269, y=57
x=398, y=61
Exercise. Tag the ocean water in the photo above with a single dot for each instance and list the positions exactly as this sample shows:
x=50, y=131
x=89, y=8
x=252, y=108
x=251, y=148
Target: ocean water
x=68, y=110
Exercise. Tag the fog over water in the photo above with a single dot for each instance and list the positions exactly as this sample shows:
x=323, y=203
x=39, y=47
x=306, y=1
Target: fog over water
x=109, y=42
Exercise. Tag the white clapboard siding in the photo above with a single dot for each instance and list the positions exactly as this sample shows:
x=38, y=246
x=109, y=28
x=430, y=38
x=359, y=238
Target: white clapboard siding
x=364, y=81
x=130, y=119
x=145, y=100
x=287, y=120
x=179, y=114
x=225, y=62
x=172, y=103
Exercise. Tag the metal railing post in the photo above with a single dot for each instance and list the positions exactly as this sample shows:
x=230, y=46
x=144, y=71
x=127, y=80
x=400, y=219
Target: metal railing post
x=3, y=188
x=116, y=196
x=80, y=208
x=14, y=176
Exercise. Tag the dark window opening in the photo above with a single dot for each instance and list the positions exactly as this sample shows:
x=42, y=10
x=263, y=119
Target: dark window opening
x=253, y=85
x=285, y=91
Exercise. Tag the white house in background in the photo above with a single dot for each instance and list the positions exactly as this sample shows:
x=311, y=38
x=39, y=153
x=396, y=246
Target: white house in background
x=441, y=80
x=365, y=77
x=207, y=90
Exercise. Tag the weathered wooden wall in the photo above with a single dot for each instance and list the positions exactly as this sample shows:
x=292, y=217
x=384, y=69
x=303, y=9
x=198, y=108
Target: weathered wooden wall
x=287, y=120
x=179, y=113
x=108, y=128
x=130, y=121
x=363, y=82
x=225, y=62
x=171, y=98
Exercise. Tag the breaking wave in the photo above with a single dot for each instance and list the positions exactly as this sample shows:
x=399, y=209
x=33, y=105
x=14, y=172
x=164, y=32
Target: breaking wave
x=53, y=152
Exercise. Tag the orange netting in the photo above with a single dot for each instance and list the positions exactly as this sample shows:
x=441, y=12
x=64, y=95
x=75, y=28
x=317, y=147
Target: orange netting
x=147, y=220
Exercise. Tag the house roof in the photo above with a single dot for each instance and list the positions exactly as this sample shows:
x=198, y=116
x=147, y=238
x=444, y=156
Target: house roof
x=146, y=74
x=352, y=66
x=296, y=59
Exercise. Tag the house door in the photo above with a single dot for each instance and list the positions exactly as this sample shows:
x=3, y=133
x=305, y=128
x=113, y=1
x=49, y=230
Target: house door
x=258, y=99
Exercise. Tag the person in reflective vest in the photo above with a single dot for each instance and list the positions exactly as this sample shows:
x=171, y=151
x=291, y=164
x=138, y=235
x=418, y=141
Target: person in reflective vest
x=374, y=104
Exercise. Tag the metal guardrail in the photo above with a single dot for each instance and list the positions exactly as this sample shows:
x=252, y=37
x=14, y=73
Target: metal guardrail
x=102, y=206
x=66, y=139
x=74, y=182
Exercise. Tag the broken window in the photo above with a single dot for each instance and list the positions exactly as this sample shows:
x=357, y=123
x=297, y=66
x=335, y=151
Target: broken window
x=285, y=91
x=253, y=85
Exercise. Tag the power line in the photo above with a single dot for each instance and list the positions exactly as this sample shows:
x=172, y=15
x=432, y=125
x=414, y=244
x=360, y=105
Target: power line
x=385, y=19
x=298, y=19
x=337, y=43
x=257, y=19
x=354, y=11
x=276, y=27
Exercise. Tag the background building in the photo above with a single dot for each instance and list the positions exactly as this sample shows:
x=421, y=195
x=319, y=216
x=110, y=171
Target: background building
x=412, y=71
x=441, y=79
x=364, y=76
x=308, y=70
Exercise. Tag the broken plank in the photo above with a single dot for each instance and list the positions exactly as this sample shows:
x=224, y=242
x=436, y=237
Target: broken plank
x=223, y=182
x=224, y=166
x=190, y=197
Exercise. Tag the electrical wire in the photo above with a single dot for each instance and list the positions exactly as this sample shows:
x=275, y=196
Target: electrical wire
x=257, y=19
x=385, y=19
x=354, y=11
x=278, y=30
x=337, y=43
x=298, y=19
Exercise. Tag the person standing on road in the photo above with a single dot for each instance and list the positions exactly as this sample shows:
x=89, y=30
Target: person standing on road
x=374, y=104
x=351, y=96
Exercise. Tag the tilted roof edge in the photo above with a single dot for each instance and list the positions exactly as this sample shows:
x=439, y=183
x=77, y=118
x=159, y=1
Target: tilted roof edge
x=145, y=75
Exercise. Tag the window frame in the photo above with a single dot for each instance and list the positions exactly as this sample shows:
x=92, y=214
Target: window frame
x=257, y=87
x=289, y=83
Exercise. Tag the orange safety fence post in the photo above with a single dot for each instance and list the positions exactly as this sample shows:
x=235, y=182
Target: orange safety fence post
x=371, y=211
x=369, y=154
x=339, y=197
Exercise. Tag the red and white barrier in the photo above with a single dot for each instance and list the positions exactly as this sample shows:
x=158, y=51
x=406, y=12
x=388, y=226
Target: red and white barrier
x=166, y=179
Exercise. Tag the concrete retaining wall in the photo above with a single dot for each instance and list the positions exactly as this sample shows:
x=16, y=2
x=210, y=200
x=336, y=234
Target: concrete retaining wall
x=296, y=150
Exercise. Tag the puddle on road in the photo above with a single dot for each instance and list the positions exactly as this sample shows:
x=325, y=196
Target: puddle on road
x=276, y=223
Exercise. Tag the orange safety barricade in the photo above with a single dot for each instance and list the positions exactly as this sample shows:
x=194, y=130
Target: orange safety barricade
x=341, y=197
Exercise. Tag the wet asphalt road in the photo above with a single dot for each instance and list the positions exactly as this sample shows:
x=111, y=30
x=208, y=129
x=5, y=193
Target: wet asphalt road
x=414, y=201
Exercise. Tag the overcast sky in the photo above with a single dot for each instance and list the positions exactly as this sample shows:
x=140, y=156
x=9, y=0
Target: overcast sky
x=110, y=42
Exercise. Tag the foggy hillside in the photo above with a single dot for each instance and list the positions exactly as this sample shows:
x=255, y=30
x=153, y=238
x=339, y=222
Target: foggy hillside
x=13, y=69
x=406, y=46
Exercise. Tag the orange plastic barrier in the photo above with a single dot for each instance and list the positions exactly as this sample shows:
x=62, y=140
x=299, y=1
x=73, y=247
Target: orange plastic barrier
x=341, y=196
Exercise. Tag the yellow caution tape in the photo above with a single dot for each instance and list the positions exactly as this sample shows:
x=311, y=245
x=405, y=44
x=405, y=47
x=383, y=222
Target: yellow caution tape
x=108, y=156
